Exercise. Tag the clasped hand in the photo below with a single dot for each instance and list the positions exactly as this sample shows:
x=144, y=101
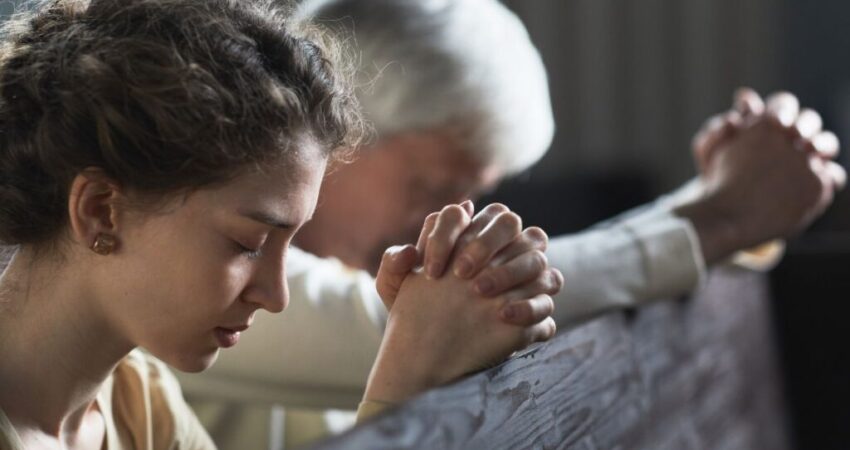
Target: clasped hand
x=473, y=290
x=766, y=170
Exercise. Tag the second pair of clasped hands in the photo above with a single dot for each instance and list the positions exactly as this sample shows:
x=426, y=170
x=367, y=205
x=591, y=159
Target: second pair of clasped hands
x=472, y=291
x=766, y=172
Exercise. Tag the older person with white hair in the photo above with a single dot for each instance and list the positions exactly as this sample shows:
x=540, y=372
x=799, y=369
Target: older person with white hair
x=459, y=98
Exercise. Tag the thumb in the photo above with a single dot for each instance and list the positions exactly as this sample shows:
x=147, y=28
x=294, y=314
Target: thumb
x=396, y=264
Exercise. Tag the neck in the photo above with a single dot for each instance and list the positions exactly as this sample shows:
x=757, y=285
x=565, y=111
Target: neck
x=55, y=345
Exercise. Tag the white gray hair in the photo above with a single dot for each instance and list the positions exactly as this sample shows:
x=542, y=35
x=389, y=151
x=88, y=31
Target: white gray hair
x=448, y=64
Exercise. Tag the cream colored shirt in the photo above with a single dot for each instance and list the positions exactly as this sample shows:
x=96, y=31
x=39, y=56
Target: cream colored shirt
x=143, y=409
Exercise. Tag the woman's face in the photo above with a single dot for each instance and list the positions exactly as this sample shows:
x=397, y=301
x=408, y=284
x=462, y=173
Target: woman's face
x=186, y=280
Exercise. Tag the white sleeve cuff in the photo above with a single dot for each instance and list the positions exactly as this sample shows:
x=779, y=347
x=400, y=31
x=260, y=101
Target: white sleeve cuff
x=649, y=255
x=671, y=254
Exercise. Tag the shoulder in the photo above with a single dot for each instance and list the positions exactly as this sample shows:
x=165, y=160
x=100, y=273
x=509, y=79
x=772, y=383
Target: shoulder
x=148, y=401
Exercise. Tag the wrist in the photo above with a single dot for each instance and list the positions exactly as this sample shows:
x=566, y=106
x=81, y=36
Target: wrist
x=393, y=384
x=396, y=377
x=719, y=235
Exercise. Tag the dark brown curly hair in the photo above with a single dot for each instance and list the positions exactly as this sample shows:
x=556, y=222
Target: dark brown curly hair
x=162, y=95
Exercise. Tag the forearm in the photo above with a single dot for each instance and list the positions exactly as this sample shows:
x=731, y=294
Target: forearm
x=651, y=256
x=653, y=252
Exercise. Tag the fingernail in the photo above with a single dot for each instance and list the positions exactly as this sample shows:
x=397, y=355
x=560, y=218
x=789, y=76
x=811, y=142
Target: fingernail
x=509, y=313
x=484, y=285
x=463, y=266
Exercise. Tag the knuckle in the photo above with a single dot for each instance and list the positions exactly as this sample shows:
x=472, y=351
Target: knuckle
x=552, y=328
x=386, y=258
x=548, y=305
x=430, y=220
x=464, y=241
x=499, y=276
x=536, y=235
x=475, y=250
x=810, y=114
x=453, y=212
x=781, y=96
x=709, y=126
x=523, y=310
x=495, y=208
x=539, y=261
x=550, y=286
x=510, y=221
x=557, y=279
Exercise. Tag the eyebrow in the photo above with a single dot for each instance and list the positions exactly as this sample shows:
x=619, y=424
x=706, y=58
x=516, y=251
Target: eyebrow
x=268, y=219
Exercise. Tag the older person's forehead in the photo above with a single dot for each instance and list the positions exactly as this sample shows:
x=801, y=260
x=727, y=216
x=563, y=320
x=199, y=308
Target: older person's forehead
x=444, y=171
x=446, y=152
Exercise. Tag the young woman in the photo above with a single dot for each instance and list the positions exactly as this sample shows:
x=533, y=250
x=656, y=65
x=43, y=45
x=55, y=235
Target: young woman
x=156, y=158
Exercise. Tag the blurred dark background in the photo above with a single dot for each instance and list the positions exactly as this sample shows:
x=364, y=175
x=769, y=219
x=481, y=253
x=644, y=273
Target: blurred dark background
x=632, y=81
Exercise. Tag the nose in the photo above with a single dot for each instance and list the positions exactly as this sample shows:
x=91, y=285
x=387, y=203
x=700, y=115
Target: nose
x=269, y=289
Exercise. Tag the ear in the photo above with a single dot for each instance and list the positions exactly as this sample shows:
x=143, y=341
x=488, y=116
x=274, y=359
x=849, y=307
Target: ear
x=92, y=202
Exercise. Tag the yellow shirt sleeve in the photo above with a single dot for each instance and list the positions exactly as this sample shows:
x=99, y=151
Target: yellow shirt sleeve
x=370, y=408
x=148, y=411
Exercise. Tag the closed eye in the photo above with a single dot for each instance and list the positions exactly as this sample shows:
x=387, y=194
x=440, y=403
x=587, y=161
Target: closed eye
x=250, y=253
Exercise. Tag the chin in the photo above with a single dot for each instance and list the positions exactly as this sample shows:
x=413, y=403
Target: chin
x=194, y=363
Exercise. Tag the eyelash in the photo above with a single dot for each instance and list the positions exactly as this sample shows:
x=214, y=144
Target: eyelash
x=248, y=252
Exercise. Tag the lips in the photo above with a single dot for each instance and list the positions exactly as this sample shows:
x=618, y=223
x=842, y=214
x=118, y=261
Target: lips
x=226, y=337
x=229, y=336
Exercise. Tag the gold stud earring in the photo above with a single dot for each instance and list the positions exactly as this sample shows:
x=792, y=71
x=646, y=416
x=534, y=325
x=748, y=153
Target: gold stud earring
x=103, y=244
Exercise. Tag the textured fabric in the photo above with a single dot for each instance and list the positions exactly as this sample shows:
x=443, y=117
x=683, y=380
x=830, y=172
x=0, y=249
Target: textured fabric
x=651, y=256
x=143, y=409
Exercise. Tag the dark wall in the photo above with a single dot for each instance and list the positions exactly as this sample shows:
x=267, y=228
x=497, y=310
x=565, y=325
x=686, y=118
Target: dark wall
x=811, y=286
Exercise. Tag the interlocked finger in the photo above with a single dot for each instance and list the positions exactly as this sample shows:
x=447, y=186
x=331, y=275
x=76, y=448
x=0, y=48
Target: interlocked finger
x=479, y=222
x=427, y=229
x=498, y=234
x=837, y=175
x=548, y=282
x=532, y=238
x=514, y=273
x=748, y=103
x=440, y=243
x=716, y=130
x=784, y=107
x=396, y=264
x=541, y=332
x=528, y=311
x=808, y=124
x=825, y=144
